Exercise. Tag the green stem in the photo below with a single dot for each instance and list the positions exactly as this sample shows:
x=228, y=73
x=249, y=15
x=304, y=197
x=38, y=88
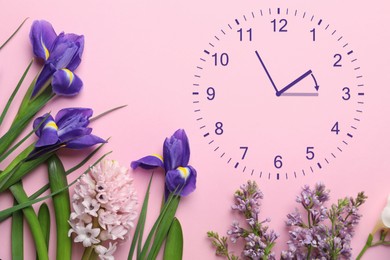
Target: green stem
x=366, y=246
x=89, y=253
x=32, y=220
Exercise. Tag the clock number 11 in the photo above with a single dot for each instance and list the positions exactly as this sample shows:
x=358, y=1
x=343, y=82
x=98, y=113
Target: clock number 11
x=241, y=33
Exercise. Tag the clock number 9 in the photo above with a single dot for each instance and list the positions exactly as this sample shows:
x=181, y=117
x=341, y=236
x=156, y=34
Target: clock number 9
x=218, y=128
x=278, y=162
x=347, y=95
x=210, y=93
x=283, y=24
x=309, y=153
x=222, y=59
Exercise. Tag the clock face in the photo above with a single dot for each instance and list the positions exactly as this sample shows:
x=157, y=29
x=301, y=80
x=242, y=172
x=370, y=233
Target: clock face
x=278, y=93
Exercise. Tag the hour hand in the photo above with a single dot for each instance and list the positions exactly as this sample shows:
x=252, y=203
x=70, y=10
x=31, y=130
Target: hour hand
x=266, y=71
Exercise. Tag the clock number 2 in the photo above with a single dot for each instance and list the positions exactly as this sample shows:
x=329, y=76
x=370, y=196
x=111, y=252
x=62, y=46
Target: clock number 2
x=338, y=58
x=282, y=23
x=278, y=162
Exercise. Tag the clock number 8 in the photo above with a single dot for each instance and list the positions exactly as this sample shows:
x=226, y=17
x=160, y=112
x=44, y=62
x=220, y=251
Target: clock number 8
x=278, y=162
x=218, y=128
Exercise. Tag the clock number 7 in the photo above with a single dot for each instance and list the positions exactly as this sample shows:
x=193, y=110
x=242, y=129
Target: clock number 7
x=245, y=148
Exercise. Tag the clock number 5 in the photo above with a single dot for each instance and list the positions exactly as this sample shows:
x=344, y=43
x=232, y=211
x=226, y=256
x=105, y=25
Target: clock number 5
x=282, y=24
x=278, y=162
x=309, y=153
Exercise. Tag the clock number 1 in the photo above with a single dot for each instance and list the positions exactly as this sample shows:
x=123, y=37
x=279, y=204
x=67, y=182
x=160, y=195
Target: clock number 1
x=313, y=31
x=222, y=59
x=278, y=162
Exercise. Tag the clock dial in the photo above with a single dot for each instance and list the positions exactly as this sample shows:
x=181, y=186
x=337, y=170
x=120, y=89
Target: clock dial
x=278, y=93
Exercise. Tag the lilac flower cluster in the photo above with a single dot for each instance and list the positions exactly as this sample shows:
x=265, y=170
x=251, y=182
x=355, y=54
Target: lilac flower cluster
x=258, y=239
x=104, y=205
x=327, y=233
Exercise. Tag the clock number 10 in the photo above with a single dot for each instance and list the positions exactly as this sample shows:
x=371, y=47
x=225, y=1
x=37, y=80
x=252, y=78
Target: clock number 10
x=222, y=59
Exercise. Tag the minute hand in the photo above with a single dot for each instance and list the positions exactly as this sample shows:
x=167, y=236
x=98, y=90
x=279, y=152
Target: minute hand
x=304, y=75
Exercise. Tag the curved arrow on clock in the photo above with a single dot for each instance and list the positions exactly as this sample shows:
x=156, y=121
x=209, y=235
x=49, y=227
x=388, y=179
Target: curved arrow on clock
x=282, y=92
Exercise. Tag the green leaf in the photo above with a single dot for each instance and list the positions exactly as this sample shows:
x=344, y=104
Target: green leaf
x=28, y=109
x=170, y=205
x=44, y=220
x=17, y=235
x=32, y=220
x=139, y=230
x=12, y=35
x=163, y=228
x=174, y=245
x=4, y=113
x=61, y=202
x=107, y=112
x=4, y=214
x=5, y=155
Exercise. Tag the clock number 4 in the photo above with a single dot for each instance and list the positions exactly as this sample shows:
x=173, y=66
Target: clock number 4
x=222, y=59
x=241, y=33
x=335, y=128
x=279, y=26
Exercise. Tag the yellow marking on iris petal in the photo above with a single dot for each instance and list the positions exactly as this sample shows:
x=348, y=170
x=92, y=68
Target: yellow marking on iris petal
x=158, y=156
x=47, y=53
x=184, y=172
x=51, y=124
x=70, y=75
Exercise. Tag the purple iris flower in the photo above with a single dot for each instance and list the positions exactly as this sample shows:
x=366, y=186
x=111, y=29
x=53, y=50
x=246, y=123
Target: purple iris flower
x=68, y=129
x=61, y=55
x=179, y=175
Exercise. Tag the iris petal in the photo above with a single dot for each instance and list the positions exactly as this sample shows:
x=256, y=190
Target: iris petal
x=38, y=122
x=66, y=83
x=65, y=116
x=84, y=142
x=148, y=162
x=43, y=78
x=183, y=178
x=48, y=135
x=42, y=36
x=176, y=150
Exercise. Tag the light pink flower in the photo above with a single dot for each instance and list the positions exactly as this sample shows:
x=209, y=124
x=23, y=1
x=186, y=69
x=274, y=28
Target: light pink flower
x=104, y=196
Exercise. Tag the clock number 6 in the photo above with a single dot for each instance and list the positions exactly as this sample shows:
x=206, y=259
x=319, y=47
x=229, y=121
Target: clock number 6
x=278, y=162
x=309, y=153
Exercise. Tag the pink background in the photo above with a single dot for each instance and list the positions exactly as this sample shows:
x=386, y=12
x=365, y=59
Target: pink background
x=143, y=54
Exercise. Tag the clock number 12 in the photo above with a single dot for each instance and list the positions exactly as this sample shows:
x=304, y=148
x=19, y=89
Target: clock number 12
x=282, y=23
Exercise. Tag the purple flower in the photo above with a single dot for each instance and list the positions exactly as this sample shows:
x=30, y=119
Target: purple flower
x=68, y=129
x=176, y=155
x=61, y=55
